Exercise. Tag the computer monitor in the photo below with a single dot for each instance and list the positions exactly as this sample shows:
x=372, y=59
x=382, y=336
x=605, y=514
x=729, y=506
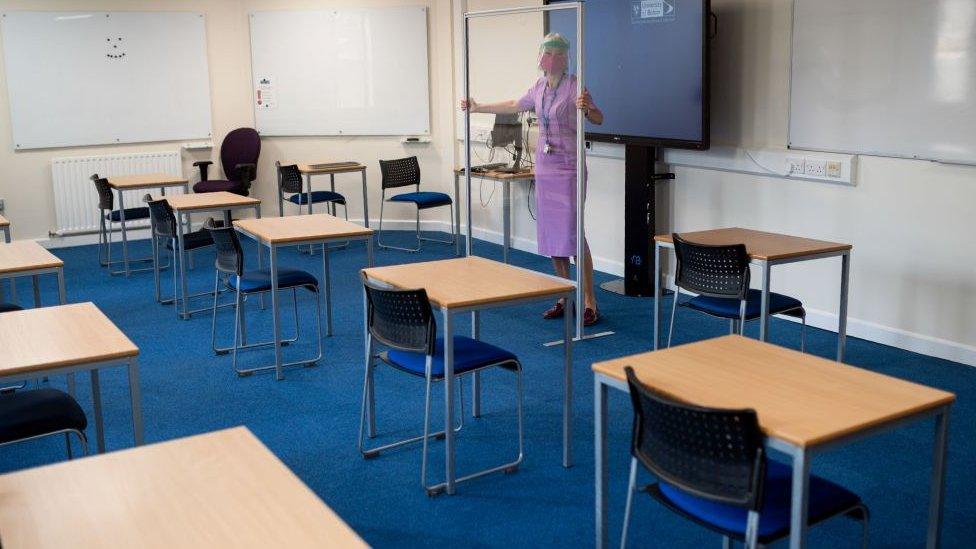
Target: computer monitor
x=508, y=131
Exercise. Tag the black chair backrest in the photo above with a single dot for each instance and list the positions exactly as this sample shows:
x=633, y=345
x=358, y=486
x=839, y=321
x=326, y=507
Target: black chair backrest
x=714, y=271
x=230, y=255
x=712, y=453
x=161, y=217
x=106, y=200
x=400, y=172
x=291, y=178
x=401, y=319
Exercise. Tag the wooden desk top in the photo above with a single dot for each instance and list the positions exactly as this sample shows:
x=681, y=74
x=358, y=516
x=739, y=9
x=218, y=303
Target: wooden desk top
x=468, y=281
x=314, y=168
x=499, y=176
x=300, y=228
x=761, y=245
x=209, y=201
x=26, y=255
x=52, y=337
x=3, y=221
x=145, y=181
x=800, y=398
x=220, y=489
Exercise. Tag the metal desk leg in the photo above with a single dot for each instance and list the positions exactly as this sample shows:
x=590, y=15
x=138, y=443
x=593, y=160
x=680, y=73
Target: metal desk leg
x=276, y=326
x=764, y=303
x=568, y=380
x=62, y=295
x=257, y=214
x=365, y=201
x=936, y=498
x=125, y=238
x=476, y=380
x=600, y=456
x=800, y=498
x=845, y=277
x=448, y=402
x=136, y=403
x=327, y=278
x=36, y=283
x=11, y=281
x=369, y=251
x=457, y=214
x=332, y=209
x=507, y=223
x=97, y=405
x=180, y=257
x=657, y=293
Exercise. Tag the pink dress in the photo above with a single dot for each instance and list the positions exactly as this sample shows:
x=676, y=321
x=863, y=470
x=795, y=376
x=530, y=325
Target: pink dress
x=555, y=171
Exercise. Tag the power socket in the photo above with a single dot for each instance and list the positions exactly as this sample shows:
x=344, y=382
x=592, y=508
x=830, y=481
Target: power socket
x=815, y=168
x=833, y=168
x=795, y=165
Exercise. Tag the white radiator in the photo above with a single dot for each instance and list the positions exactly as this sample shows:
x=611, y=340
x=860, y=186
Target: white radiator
x=75, y=197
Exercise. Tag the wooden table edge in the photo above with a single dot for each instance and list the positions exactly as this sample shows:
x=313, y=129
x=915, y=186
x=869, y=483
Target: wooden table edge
x=57, y=365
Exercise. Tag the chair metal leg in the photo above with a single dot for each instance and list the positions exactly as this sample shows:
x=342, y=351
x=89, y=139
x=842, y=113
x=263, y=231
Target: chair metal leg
x=237, y=323
x=631, y=488
x=865, y=530
x=726, y=542
x=367, y=383
x=674, y=308
x=438, y=240
x=803, y=333
x=752, y=530
x=426, y=436
x=67, y=443
x=307, y=362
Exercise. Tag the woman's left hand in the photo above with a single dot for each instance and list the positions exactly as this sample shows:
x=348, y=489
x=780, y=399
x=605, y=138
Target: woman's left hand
x=584, y=101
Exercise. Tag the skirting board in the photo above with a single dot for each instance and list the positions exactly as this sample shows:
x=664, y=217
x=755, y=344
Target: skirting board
x=870, y=331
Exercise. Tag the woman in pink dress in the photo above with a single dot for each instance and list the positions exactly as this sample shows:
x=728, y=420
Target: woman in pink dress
x=552, y=99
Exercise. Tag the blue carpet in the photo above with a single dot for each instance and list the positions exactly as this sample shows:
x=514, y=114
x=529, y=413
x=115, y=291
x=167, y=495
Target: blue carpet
x=310, y=420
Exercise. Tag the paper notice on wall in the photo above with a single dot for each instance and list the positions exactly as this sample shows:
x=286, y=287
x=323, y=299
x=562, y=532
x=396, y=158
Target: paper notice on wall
x=264, y=95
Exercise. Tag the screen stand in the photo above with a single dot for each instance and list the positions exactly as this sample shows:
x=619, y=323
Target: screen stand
x=639, y=218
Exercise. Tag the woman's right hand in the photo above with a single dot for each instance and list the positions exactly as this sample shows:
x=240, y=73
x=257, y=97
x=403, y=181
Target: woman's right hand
x=469, y=104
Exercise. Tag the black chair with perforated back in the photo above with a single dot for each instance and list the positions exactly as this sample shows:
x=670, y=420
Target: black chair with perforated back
x=229, y=262
x=108, y=213
x=405, y=172
x=163, y=221
x=290, y=183
x=711, y=468
x=719, y=275
x=403, y=322
x=27, y=415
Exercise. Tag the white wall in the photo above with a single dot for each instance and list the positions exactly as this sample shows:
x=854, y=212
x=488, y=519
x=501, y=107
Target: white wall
x=911, y=223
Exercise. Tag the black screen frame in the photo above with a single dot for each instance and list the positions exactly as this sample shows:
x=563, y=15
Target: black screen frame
x=649, y=141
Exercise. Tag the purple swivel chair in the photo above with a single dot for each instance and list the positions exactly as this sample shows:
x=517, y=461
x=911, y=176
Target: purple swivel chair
x=239, y=158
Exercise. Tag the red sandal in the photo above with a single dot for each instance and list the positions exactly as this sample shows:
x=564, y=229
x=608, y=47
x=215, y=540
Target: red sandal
x=556, y=311
x=590, y=317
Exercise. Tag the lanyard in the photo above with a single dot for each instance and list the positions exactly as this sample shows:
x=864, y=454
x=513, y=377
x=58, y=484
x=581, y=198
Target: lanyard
x=545, y=115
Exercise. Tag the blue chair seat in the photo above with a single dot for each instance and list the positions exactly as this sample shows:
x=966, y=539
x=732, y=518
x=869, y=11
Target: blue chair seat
x=317, y=196
x=9, y=308
x=826, y=500
x=194, y=240
x=131, y=214
x=423, y=199
x=469, y=354
x=729, y=307
x=259, y=280
x=26, y=414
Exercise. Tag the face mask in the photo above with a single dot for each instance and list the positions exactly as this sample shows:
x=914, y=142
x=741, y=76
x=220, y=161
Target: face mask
x=553, y=64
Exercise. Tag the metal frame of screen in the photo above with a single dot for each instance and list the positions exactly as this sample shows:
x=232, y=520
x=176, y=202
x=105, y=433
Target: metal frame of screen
x=650, y=141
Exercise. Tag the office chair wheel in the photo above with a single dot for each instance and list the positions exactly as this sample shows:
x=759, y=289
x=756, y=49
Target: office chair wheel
x=439, y=436
x=432, y=492
x=510, y=470
x=223, y=352
x=370, y=454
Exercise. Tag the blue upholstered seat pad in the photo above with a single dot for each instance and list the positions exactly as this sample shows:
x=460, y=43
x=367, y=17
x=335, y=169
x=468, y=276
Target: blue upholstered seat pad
x=729, y=307
x=26, y=414
x=131, y=214
x=469, y=354
x=194, y=240
x=217, y=185
x=423, y=199
x=260, y=280
x=317, y=196
x=9, y=307
x=826, y=500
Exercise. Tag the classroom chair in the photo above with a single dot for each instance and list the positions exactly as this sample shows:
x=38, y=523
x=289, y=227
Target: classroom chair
x=403, y=322
x=712, y=469
x=230, y=263
x=290, y=181
x=404, y=172
x=163, y=220
x=719, y=275
x=239, y=154
x=108, y=213
x=26, y=415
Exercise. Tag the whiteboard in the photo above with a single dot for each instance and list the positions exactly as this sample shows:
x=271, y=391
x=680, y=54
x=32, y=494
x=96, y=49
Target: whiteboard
x=349, y=71
x=885, y=77
x=93, y=78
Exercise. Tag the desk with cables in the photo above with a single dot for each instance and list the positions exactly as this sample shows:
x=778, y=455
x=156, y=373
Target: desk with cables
x=506, y=179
